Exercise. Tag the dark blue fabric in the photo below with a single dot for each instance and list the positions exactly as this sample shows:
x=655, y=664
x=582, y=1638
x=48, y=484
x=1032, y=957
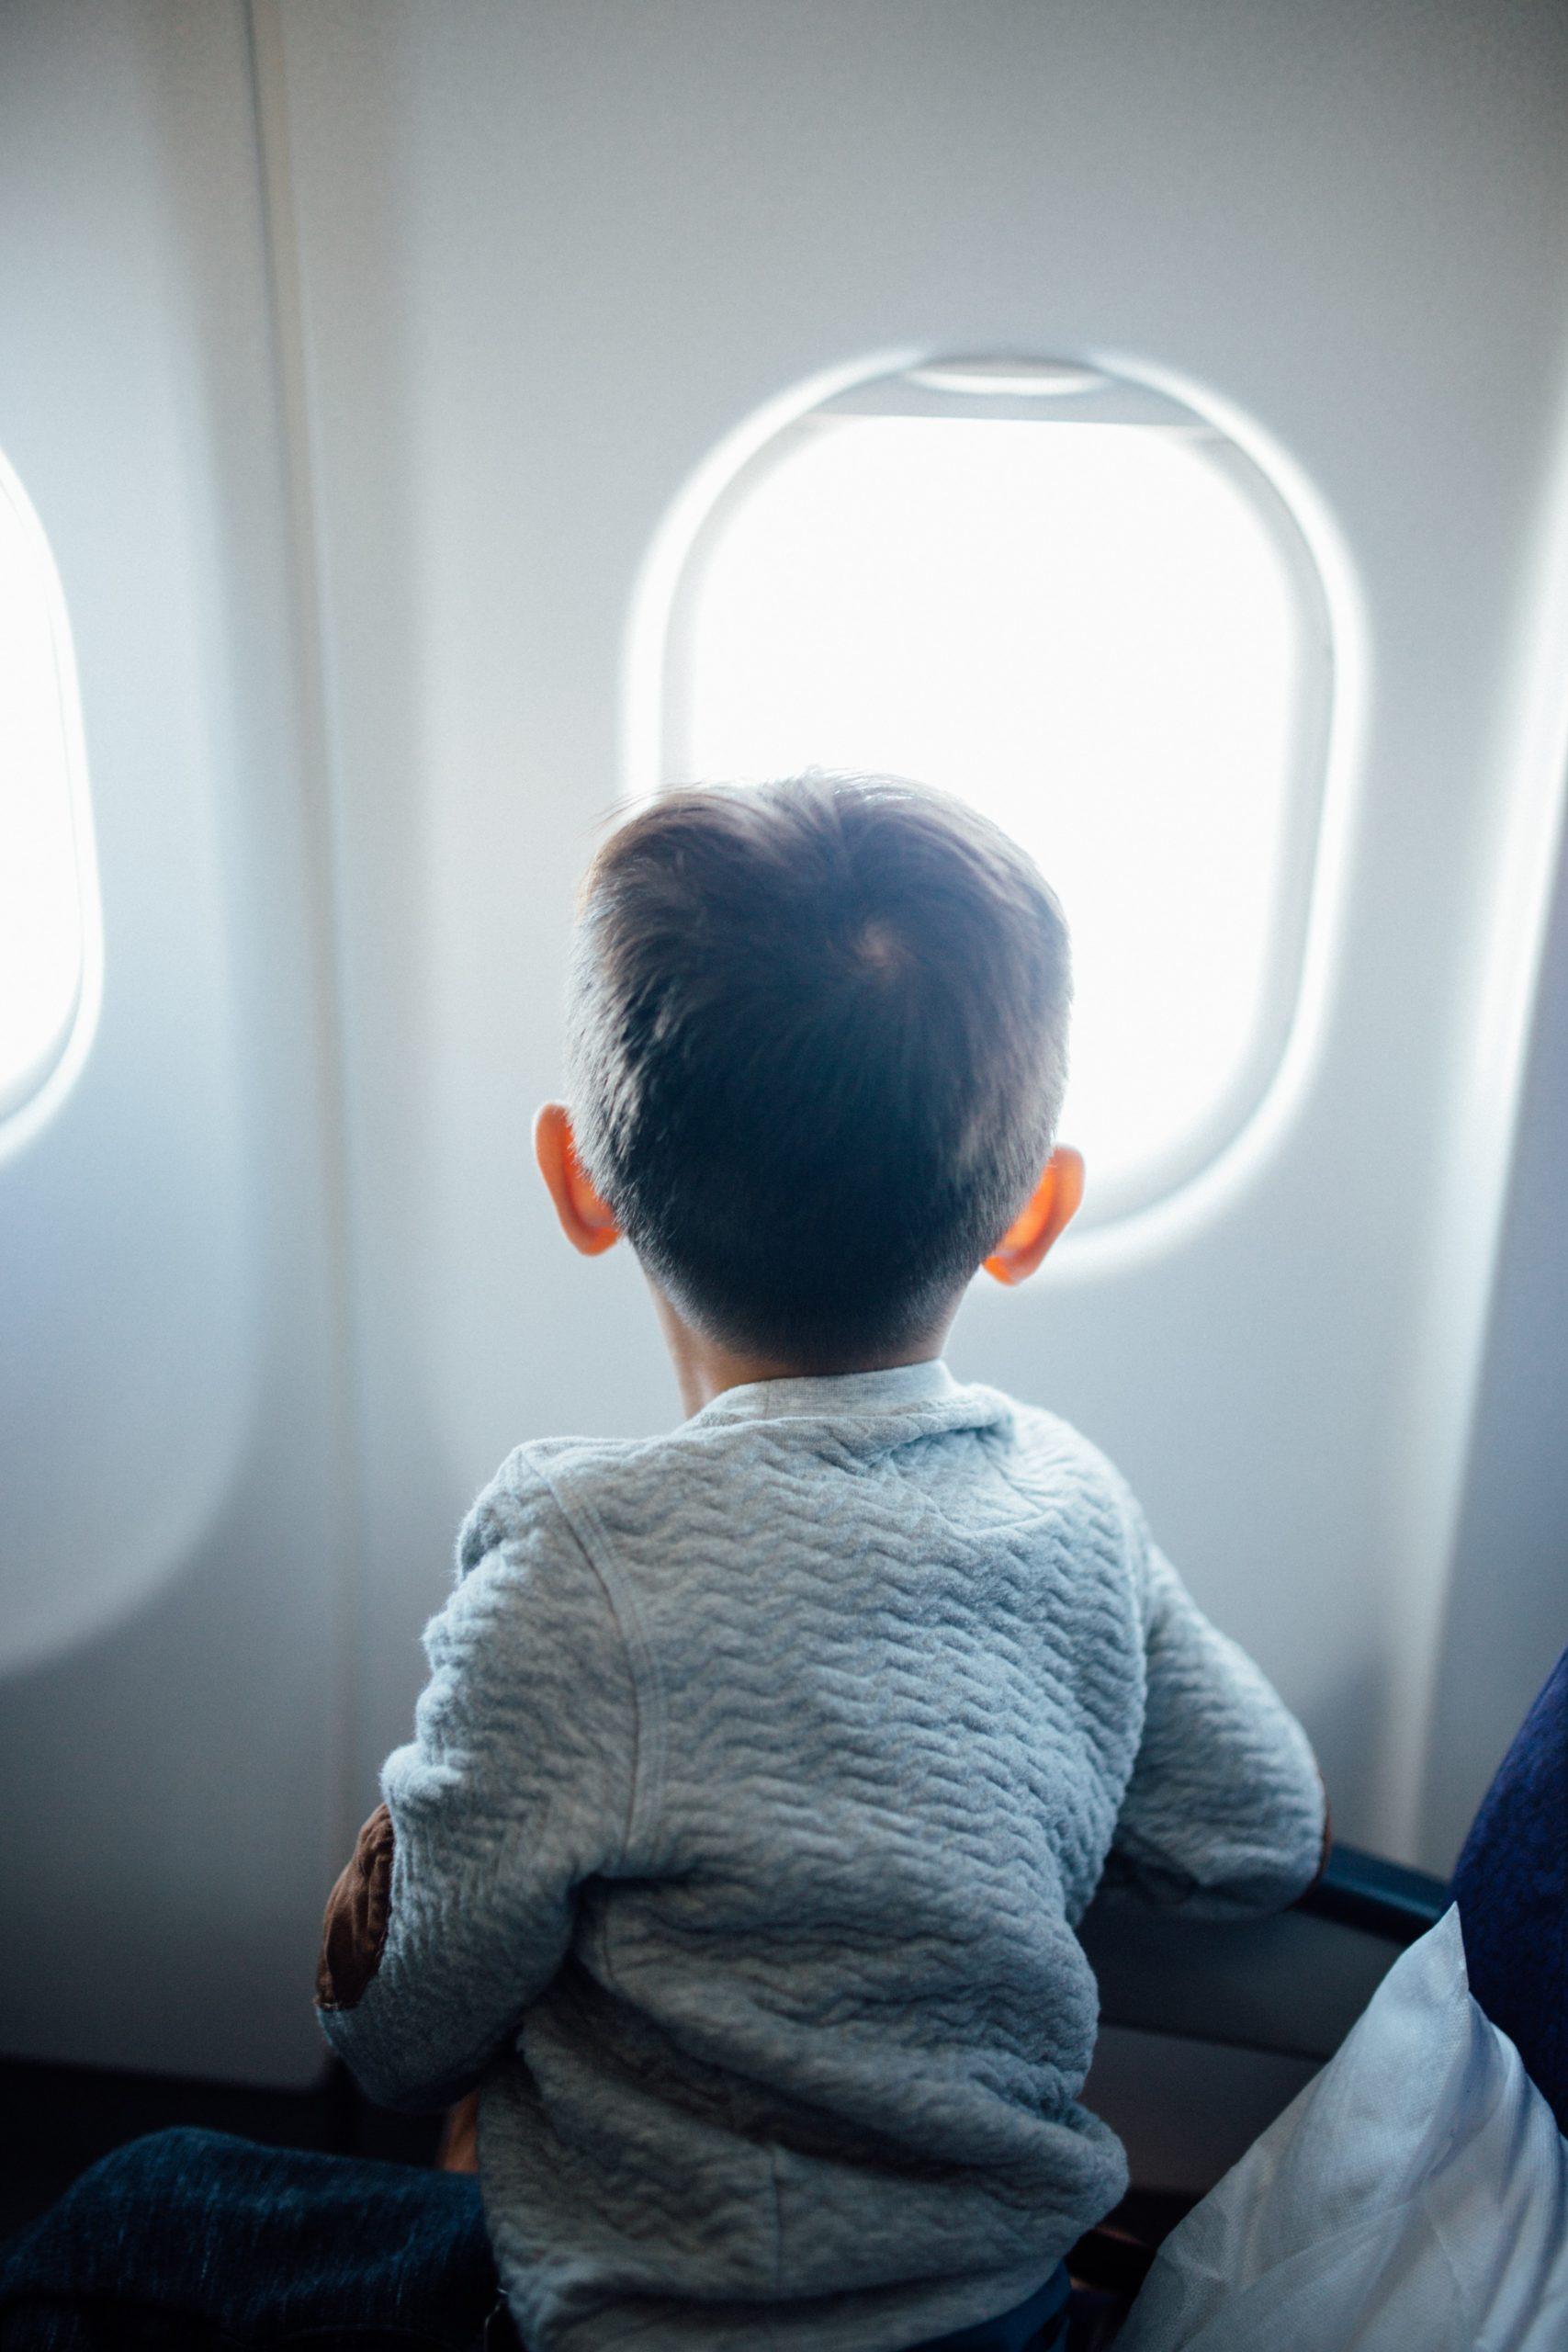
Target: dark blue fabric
x=1511, y=1891
x=196, y=2242
x=196, y=2239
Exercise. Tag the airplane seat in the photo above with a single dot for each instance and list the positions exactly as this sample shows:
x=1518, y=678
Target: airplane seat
x=1294, y=1984
x=1194, y=1999
x=1511, y=1885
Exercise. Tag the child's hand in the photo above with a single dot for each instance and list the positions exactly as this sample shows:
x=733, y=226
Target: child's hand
x=459, y=2149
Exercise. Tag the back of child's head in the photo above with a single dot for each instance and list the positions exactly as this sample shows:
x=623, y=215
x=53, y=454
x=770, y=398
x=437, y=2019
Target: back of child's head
x=818, y=1048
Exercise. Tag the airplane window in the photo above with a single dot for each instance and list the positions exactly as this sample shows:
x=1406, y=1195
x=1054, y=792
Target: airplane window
x=1072, y=599
x=45, y=837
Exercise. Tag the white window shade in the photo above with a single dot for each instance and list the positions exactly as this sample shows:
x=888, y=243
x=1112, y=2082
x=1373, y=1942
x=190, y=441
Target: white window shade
x=48, y=905
x=1077, y=604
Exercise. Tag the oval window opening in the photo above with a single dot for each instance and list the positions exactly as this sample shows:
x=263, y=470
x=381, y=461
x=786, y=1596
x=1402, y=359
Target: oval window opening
x=48, y=942
x=1074, y=601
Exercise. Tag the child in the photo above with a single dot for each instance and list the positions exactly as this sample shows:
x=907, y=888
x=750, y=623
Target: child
x=766, y=1768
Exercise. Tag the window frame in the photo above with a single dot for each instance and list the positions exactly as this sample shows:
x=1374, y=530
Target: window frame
x=31, y=1096
x=658, y=700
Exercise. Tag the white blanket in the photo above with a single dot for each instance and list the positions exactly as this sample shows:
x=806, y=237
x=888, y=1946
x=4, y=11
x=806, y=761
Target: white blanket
x=1414, y=2198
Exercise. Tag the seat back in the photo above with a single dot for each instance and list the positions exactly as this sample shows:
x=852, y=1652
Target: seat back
x=1511, y=1886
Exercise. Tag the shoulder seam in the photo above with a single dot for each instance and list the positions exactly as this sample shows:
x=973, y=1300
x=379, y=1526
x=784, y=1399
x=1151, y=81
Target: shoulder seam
x=587, y=1530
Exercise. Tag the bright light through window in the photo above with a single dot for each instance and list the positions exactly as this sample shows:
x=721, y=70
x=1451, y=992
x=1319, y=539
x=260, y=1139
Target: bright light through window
x=45, y=855
x=1090, y=615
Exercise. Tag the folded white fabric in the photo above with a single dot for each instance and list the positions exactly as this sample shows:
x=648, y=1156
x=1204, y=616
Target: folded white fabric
x=1414, y=2198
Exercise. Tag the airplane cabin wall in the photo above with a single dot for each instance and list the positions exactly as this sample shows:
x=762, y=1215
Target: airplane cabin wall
x=359, y=354
x=170, y=1492
x=1507, y=1608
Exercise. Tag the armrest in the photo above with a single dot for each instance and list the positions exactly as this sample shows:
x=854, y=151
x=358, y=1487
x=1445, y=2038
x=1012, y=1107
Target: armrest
x=1360, y=1890
x=1292, y=1984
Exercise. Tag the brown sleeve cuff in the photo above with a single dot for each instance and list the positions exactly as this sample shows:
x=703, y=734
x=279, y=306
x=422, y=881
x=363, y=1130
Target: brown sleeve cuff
x=354, y=1928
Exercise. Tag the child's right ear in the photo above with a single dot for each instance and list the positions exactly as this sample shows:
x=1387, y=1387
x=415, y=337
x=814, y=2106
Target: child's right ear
x=588, y=1223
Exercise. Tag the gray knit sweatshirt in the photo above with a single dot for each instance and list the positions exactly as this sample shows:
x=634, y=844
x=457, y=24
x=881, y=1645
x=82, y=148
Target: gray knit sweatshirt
x=762, y=1775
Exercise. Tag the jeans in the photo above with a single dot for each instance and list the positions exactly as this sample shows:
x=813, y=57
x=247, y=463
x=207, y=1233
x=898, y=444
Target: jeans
x=194, y=2241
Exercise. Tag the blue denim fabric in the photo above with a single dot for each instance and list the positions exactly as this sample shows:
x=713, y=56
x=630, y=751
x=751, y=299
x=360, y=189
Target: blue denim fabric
x=195, y=2241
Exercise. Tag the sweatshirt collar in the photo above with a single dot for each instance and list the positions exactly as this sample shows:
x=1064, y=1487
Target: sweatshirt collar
x=834, y=1395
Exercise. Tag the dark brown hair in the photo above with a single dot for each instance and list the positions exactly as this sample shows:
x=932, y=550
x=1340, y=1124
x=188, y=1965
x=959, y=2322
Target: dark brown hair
x=818, y=1038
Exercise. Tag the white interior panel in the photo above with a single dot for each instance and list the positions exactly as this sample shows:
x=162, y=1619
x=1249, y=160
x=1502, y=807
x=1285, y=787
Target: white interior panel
x=359, y=356
x=168, y=1575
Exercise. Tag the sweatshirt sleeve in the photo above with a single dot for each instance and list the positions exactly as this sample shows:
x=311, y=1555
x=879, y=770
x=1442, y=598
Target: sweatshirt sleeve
x=1225, y=1814
x=458, y=1905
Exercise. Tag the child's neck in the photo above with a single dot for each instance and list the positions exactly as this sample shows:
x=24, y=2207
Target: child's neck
x=705, y=1368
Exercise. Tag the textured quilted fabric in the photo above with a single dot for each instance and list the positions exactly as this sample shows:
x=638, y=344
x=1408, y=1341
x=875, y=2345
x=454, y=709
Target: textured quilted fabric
x=764, y=1773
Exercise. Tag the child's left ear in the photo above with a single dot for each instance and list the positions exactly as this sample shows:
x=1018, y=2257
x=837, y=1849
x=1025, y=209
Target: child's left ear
x=588, y=1222
x=1050, y=1208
